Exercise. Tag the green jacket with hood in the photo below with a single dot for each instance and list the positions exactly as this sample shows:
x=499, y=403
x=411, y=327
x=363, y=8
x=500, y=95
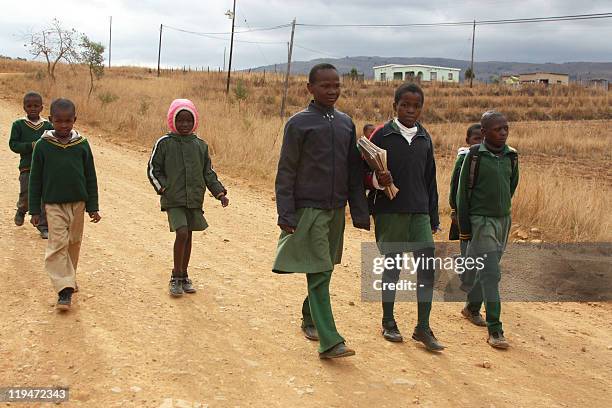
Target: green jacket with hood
x=180, y=170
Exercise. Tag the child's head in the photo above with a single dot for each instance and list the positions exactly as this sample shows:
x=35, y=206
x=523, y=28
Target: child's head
x=324, y=84
x=368, y=129
x=494, y=128
x=63, y=116
x=408, y=103
x=474, y=135
x=183, y=117
x=32, y=105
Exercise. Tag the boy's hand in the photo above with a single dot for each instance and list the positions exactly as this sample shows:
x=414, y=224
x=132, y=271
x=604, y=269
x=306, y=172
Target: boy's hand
x=384, y=178
x=95, y=217
x=224, y=200
x=436, y=229
x=34, y=220
x=287, y=228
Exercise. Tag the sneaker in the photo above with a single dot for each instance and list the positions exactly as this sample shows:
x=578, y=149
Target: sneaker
x=175, y=287
x=475, y=318
x=188, y=286
x=390, y=332
x=310, y=331
x=497, y=340
x=65, y=299
x=44, y=234
x=19, y=218
x=339, y=350
x=427, y=337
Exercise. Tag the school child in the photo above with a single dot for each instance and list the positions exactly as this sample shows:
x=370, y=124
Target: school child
x=488, y=180
x=473, y=137
x=368, y=129
x=63, y=181
x=318, y=171
x=407, y=223
x=24, y=134
x=180, y=170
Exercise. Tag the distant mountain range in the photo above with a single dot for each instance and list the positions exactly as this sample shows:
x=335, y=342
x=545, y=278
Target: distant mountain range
x=485, y=70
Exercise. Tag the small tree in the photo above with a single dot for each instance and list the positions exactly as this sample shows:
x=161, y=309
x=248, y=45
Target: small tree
x=92, y=56
x=240, y=92
x=54, y=43
x=354, y=74
x=469, y=74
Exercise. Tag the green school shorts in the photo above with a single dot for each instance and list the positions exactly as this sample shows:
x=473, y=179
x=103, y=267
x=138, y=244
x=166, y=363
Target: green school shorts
x=316, y=244
x=398, y=233
x=192, y=218
x=489, y=234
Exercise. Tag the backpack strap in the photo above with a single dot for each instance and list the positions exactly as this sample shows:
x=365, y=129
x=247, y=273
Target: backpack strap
x=513, y=163
x=474, y=158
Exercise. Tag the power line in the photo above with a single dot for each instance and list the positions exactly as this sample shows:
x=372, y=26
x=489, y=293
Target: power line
x=317, y=51
x=250, y=30
x=572, y=17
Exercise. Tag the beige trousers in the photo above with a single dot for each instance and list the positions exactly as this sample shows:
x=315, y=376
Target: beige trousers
x=65, y=234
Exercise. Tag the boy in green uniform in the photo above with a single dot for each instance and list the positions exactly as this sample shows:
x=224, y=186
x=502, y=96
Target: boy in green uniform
x=318, y=171
x=407, y=222
x=488, y=180
x=25, y=133
x=473, y=137
x=180, y=170
x=63, y=180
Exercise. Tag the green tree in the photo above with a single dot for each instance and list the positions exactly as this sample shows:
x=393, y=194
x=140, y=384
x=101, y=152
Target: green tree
x=240, y=92
x=92, y=56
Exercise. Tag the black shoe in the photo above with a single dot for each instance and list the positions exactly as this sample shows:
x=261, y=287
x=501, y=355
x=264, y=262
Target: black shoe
x=427, y=337
x=188, y=286
x=310, y=331
x=339, y=350
x=497, y=340
x=19, y=218
x=44, y=234
x=175, y=287
x=475, y=318
x=390, y=332
x=65, y=299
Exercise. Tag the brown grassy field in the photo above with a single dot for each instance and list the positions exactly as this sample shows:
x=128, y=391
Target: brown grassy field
x=563, y=134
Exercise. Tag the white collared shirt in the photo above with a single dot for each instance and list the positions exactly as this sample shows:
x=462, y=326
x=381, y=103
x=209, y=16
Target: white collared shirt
x=407, y=132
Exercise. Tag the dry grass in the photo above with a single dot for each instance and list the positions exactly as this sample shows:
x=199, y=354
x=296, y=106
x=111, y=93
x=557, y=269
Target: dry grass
x=568, y=199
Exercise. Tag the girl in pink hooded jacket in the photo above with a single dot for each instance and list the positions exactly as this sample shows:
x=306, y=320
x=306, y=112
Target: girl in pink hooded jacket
x=180, y=170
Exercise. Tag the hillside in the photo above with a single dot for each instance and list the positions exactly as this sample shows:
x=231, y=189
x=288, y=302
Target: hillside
x=484, y=69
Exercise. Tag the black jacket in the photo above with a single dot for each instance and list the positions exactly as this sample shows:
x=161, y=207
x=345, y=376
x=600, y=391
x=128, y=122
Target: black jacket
x=413, y=169
x=320, y=166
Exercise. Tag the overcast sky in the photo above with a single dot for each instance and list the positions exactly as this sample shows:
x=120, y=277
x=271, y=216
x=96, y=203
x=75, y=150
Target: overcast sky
x=136, y=29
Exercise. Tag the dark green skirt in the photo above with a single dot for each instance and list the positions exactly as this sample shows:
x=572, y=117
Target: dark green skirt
x=399, y=233
x=316, y=244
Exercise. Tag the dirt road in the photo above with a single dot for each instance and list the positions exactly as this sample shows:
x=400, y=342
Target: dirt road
x=237, y=341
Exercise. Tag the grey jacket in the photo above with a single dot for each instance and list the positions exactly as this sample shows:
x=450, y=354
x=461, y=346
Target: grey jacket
x=320, y=166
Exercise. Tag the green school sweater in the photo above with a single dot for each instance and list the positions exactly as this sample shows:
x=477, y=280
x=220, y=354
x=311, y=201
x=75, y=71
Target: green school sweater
x=62, y=173
x=492, y=194
x=23, y=133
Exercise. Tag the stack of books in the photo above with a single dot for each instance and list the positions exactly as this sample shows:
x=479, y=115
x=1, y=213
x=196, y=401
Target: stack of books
x=377, y=160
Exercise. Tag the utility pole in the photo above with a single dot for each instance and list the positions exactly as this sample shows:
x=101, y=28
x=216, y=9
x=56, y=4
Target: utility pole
x=161, y=28
x=229, y=69
x=472, y=63
x=110, y=40
x=284, y=100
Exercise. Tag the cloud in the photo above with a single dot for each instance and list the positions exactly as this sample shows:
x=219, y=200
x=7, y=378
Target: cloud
x=136, y=30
